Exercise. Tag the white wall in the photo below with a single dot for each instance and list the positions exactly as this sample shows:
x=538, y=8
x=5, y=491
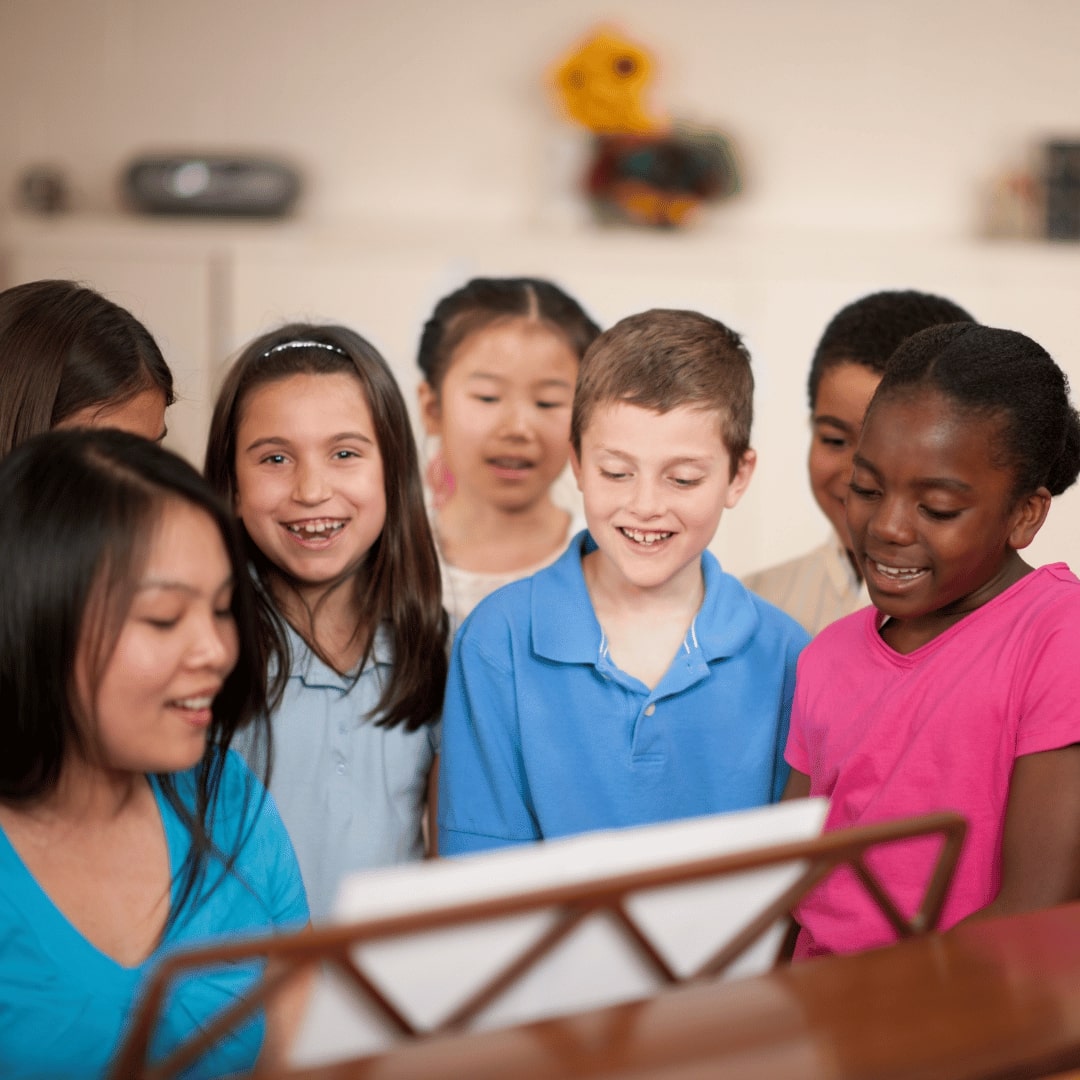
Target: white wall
x=868, y=131
x=849, y=113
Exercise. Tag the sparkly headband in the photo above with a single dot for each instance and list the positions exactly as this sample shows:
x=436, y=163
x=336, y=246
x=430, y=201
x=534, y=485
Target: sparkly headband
x=305, y=345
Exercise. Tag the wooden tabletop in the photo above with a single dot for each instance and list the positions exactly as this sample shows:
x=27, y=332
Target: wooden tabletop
x=994, y=999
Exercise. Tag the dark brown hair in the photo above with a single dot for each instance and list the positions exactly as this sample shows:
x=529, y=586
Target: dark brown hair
x=398, y=584
x=80, y=511
x=1002, y=375
x=663, y=360
x=484, y=301
x=64, y=348
x=869, y=330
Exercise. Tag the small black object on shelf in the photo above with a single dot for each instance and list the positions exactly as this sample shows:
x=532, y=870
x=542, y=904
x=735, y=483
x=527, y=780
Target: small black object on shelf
x=211, y=184
x=1063, y=190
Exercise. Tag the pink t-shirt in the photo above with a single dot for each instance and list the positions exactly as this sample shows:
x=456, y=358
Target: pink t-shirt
x=887, y=736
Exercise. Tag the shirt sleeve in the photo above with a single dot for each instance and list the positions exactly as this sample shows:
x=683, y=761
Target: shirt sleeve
x=266, y=859
x=483, y=790
x=797, y=753
x=782, y=765
x=1049, y=688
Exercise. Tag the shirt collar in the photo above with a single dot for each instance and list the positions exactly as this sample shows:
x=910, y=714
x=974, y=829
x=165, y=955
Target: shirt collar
x=565, y=628
x=312, y=671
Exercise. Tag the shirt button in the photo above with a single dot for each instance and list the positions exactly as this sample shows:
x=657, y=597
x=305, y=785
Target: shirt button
x=341, y=766
x=650, y=709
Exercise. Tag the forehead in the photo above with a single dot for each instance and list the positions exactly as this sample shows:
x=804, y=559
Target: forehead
x=844, y=392
x=325, y=400
x=516, y=347
x=632, y=429
x=142, y=414
x=925, y=433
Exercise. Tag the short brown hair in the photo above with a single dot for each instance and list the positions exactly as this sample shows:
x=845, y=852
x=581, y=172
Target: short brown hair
x=663, y=360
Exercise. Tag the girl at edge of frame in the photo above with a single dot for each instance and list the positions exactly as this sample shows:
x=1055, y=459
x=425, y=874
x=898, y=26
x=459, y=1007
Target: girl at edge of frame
x=71, y=358
x=128, y=828
x=500, y=359
x=311, y=443
x=957, y=690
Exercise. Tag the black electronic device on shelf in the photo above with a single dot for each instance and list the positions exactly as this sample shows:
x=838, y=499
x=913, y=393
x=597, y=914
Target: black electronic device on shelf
x=214, y=184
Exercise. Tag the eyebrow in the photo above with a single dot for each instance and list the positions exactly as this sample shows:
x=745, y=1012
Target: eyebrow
x=279, y=440
x=687, y=459
x=833, y=421
x=183, y=586
x=948, y=483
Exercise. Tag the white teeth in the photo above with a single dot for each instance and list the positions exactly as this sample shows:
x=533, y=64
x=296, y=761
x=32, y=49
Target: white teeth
x=898, y=572
x=195, y=703
x=645, y=537
x=315, y=528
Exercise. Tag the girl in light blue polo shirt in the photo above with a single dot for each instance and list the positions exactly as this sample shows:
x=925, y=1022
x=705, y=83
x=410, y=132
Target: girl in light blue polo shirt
x=311, y=442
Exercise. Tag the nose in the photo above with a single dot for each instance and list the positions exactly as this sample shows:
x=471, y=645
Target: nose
x=644, y=501
x=515, y=420
x=891, y=522
x=310, y=485
x=213, y=645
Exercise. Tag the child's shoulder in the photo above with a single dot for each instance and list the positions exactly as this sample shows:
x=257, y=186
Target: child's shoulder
x=739, y=614
x=544, y=608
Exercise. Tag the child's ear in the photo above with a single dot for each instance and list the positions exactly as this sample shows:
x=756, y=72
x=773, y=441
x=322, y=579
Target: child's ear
x=741, y=480
x=1028, y=517
x=430, y=408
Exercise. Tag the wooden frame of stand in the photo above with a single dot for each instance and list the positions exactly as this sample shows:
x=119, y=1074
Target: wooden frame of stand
x=296, y=953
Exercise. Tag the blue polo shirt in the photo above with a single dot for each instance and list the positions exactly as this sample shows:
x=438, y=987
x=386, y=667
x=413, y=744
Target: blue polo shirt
x=544, y=736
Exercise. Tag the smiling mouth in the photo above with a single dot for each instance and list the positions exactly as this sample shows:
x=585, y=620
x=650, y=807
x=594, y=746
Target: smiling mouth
x=515, y=463
x=194, y=704
x=898, y=573
x=641, y=536
x=310, y=530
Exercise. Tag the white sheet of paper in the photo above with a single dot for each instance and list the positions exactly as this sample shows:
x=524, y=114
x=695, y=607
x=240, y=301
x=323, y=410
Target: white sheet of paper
x=427, y=975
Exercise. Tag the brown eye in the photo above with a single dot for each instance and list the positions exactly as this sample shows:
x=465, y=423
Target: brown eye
x=625, y=66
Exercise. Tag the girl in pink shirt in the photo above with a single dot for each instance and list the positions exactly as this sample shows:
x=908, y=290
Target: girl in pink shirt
x=959, y=689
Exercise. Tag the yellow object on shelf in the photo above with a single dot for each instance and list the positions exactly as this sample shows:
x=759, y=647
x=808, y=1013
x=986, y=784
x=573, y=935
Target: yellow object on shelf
x=602, y=83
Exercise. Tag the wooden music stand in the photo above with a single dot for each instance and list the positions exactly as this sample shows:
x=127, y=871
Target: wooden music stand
x=334, y=946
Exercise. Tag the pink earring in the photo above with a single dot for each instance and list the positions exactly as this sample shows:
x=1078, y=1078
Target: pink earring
x=440, y=479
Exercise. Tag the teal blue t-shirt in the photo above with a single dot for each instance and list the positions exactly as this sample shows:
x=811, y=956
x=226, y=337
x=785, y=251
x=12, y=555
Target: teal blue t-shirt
x=64, y=1004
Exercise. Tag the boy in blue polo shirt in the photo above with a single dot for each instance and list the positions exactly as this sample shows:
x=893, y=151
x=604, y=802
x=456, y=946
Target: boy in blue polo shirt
x=632, y=681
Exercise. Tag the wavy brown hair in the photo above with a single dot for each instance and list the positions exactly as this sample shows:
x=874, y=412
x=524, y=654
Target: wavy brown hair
x=398, y=584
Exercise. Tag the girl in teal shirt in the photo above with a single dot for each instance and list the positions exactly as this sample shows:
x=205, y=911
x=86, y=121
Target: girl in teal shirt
x=128, y=828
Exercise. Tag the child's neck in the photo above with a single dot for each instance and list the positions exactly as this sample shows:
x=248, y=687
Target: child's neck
x=475, y=535
x=328, y=619
x=644, y=628
x=905, y=635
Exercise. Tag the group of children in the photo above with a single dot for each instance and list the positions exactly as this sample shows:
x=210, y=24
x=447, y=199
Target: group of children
x=305, y=604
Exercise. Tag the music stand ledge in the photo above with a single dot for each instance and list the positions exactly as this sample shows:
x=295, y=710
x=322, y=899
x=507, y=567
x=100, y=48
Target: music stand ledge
x=334, y=946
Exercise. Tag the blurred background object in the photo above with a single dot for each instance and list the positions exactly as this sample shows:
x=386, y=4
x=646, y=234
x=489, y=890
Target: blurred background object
x=644, y=170
x=42, y=189
x=1063, y=190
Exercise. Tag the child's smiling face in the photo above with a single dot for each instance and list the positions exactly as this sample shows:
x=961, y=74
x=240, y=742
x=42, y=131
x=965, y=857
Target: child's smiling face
x=934, y=522
x=654, y=486
x=843, y=394
x=503, y=412
x=309, y=476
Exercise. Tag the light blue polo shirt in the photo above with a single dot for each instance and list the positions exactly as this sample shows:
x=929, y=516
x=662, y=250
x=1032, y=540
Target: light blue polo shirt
x=352, y=794
x=544, y=736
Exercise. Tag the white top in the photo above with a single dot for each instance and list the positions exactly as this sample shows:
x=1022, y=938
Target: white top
x=815, y=589
x=464, y=589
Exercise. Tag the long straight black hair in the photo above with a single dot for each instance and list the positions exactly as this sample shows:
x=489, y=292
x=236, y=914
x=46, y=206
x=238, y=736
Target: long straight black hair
x=80, y=512
x=398, y=585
